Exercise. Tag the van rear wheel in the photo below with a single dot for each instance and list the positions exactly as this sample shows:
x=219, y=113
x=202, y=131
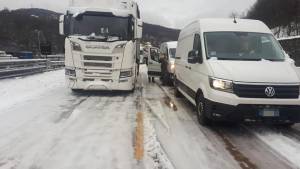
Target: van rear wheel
x=201, y=112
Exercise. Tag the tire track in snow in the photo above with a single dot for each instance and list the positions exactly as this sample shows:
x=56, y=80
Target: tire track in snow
x=245, y=147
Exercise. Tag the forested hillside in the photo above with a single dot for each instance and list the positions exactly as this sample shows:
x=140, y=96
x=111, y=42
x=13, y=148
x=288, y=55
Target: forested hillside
x=283, y=16
x=20, y=30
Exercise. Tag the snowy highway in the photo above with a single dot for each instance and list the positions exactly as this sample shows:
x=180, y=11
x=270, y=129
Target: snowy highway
x=43, y=125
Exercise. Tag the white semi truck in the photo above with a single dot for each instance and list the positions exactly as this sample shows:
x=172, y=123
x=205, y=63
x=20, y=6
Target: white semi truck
x=102, y=46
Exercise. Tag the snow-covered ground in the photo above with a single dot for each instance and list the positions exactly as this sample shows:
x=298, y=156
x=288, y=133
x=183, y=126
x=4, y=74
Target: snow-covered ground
x=43, y=125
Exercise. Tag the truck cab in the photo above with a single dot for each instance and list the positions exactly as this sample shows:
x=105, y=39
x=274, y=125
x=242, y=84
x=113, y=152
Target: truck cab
x=102, y=47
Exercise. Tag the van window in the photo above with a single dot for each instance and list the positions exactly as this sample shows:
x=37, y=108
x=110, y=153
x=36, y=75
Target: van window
x=197, y=45
x=154, y=54
x=172, y=52
x=242, y=46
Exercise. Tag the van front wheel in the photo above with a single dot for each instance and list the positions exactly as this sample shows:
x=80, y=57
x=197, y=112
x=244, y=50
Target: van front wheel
x=201, y=112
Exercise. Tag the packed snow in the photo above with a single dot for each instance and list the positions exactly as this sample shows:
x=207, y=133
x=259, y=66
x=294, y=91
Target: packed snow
x=44, y=125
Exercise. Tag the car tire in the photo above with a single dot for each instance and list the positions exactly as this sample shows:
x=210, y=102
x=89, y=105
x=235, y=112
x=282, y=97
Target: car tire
x=201, y=110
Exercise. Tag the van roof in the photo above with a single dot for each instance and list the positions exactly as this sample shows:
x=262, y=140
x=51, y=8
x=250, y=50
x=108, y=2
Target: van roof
x=171, y=44
x=218, y=25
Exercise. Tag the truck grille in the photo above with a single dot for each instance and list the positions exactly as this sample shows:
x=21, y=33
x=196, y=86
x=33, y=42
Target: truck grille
x=97, y=58
x=258, y=91
x=94, y=64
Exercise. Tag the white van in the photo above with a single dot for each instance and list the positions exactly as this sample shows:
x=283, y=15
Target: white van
x=153, y=62
x=235, y=70
x=168, y=50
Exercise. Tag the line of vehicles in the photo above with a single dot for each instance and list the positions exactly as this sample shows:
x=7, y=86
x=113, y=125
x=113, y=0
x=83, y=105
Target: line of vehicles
x=230, y=69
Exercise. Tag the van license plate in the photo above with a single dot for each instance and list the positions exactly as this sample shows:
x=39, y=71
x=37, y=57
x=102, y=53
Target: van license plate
x=269, y=113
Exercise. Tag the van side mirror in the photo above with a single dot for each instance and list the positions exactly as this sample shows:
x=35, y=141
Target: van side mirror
x=192, y=57
x=138, y=29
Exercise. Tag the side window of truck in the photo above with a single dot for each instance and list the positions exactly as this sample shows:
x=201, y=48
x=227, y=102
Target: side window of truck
x=197, y=45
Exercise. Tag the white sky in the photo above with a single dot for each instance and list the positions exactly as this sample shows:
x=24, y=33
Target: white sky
x=170, y=13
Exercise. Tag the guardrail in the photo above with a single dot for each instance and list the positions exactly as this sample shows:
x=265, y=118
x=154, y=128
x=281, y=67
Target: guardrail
x=22, y=67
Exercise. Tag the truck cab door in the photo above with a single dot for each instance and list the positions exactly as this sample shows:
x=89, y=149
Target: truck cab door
x=154, y=66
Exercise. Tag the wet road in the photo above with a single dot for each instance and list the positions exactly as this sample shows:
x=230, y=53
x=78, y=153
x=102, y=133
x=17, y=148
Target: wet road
x=50, y=127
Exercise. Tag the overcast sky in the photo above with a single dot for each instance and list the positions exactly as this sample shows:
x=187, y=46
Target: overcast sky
x=170, y=13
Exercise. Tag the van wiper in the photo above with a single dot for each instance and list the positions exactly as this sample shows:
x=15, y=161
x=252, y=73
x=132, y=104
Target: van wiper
x=274, y=60
x=241, y=59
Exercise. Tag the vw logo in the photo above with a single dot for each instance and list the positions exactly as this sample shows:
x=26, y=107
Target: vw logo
x=270, y=91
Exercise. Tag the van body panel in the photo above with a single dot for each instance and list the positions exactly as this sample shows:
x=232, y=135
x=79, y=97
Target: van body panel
x=255, y=71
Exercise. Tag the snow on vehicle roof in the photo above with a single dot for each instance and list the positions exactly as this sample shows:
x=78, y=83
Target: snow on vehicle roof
x=117, y=12
x=172, y=44
x=219, y=25
x=289, y=38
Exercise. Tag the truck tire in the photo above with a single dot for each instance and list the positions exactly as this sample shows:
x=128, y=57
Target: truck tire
x=201, y=110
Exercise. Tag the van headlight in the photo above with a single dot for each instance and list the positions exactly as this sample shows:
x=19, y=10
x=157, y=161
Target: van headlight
x=76, y=46
x=221, y=84
x=172, y=66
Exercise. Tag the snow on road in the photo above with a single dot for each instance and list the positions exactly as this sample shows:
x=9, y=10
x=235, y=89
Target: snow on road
x=43, y=125
x=52, y=128
x=20, y=90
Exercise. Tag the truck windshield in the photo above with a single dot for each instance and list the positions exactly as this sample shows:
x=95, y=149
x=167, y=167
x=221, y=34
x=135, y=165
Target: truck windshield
x=242, y=46
x=172, y=52
x=106, y=28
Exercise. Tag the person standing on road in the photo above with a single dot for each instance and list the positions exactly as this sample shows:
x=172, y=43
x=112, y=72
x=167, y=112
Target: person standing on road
x=164, y=68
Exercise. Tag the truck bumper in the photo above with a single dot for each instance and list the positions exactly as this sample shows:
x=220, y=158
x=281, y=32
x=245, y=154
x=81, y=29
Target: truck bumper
x=125, y=84
x=252, y=112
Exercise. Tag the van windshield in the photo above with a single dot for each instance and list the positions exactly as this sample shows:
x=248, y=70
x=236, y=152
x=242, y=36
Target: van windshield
x=172, y=52
x=242, y=46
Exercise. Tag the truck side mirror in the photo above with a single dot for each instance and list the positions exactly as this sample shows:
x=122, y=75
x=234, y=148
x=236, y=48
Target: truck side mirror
x=138, y=29
x=192, y=57
x=64, y=25
x=61, y=24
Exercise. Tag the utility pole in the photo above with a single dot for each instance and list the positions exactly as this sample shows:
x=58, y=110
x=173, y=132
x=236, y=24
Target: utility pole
x=39, y=41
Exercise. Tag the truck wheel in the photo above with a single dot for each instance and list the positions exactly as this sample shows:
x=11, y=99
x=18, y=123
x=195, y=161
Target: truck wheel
x=201, y=111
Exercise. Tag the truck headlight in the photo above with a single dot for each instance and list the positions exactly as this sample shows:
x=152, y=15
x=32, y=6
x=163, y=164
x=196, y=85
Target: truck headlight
x=70, y=72
x=76, y=46
x=222, y=85
x=126, y=73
